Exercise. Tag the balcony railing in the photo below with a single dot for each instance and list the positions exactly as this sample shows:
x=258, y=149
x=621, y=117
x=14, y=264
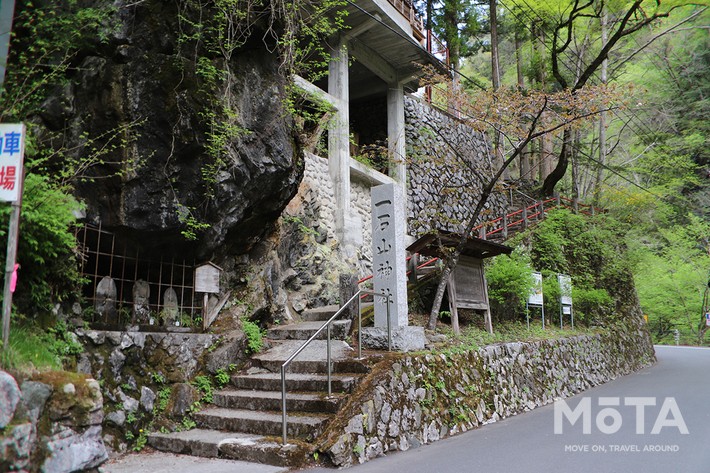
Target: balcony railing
x=406, y=8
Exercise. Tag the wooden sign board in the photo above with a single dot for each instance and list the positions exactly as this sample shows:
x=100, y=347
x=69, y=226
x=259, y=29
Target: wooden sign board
x=470, y=284
x=207, y=278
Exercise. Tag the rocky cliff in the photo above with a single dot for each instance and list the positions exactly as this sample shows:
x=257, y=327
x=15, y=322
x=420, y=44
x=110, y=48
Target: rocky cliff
x=174, y=133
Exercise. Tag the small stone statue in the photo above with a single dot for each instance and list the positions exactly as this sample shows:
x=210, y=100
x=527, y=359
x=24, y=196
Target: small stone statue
x=141, y=301
x=170, y=312
x=105, y=303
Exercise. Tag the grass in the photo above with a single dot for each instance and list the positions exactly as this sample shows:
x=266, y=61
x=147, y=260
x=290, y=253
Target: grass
x=28, y=350
x=475, y=337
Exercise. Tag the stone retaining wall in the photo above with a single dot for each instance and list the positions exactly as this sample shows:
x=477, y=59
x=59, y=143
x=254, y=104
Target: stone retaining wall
x=443, y=187
x=411, y=400
x=317, y=193
x=137, y=368
x=51, y=423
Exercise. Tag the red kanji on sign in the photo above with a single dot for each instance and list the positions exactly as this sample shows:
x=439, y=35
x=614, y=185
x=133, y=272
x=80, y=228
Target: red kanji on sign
x=8, y=174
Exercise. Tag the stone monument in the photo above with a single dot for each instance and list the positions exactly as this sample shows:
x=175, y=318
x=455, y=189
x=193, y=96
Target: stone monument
x=171, y=312
x=141, y=302
x=105, y=302
x=389, y=223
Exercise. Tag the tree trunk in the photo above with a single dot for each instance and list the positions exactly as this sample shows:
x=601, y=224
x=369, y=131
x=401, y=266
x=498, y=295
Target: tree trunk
x=453, y=257
x=602, y=121
x=495, y=80
x=545, y=159
x=548, y=187
x=524, y=157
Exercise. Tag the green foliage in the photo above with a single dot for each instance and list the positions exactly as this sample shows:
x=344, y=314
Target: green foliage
x=48, y=36
x=510, y=282
x=254, y=336
x=28, y=350
x=188, y=423
x=163, y=397
x=157, y=378
x=62, y=342
x=592, y=305
x=222, y=377
x=551, y=295
x=47, y=248
x=671, y=272
x=298, y=223
x=204, y=386
x=592, y=251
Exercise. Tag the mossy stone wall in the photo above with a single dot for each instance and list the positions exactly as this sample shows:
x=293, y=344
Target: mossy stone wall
x=416, y=399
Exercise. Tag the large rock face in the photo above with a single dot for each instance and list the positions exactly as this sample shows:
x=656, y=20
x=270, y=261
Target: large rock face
x=144, y=92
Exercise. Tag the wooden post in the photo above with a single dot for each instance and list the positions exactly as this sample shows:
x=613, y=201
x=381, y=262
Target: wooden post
x=505, y=226
x=205, y=310
x=451, y=288
x=525, y=217
x=348, y=288
x=487, y=314
x=413, y=277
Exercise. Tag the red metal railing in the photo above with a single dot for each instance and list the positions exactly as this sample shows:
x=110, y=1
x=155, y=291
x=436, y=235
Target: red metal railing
x=518, y=220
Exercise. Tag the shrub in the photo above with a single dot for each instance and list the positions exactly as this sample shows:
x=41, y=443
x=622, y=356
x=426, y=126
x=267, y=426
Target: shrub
x=591, y=306
x=510, y=282
x=46, y=249
x=254, y=336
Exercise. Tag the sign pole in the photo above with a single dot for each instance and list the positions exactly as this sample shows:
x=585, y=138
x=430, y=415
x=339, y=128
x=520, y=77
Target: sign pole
x=12, y=150
x=12, y=238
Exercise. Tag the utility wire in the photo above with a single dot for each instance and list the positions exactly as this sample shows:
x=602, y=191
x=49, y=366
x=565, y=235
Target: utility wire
x=639, y=127
x=530, y=10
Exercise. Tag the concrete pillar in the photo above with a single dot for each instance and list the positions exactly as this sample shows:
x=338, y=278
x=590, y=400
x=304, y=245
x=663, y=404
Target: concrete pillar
x=395, y=133
x=339, y=138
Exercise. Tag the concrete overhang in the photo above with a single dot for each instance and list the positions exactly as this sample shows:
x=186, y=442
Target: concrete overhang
x=387, y=43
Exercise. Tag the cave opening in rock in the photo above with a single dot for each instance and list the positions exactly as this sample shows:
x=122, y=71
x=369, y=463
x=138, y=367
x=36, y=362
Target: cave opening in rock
x=144, y=289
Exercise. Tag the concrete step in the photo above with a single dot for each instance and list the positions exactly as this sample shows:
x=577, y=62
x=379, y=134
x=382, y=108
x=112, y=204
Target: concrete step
x=295, y=382
x=306, y=427
x=319, y=313
x=271, y=401
x=312, y=359
x=304, y=330
x=233, y=445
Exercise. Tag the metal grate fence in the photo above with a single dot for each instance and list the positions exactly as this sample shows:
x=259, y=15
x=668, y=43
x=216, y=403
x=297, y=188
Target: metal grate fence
x=103, y=254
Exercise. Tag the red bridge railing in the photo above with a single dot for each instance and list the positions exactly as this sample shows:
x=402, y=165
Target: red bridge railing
x=518, y=220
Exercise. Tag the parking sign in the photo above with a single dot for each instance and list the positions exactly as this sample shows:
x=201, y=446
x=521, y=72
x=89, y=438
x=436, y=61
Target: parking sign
x=12, y=150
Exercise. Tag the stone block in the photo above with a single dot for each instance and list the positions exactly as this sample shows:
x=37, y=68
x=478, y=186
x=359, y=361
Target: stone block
x=403, y=338
x=9, y=398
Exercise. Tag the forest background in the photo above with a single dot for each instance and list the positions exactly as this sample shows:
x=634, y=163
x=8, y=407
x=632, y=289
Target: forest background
x=647, y=163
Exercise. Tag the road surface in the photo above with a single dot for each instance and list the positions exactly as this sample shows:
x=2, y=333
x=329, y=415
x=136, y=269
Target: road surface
x=620, y=439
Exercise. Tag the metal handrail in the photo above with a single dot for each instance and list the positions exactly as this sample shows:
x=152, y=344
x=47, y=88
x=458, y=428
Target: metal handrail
x=326, y=325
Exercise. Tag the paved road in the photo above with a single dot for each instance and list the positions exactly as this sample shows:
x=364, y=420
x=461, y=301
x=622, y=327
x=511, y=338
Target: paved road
x=528, y=443
x=159, y=462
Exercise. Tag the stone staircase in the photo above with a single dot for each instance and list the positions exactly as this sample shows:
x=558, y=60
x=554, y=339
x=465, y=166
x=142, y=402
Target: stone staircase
x=244, y=422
